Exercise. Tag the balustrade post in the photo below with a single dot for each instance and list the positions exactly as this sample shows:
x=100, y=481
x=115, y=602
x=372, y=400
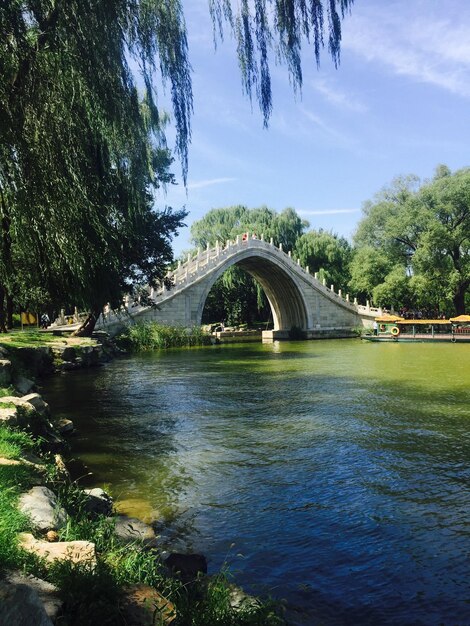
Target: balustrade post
x=340, y=293
x=217, y=248
x=298, y=262
x=347, y=297
x=289, y=254
x=271, y=241
x=238, y=240
x=324, y=282
x=280, y=247
x=307, y=269
x=262, y=236
x=355, y=301
x=316, y=275
x=367, y=305
x=332, y=288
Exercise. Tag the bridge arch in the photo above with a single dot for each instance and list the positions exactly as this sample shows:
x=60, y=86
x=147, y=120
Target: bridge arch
x=288, y=305
x=297, y=298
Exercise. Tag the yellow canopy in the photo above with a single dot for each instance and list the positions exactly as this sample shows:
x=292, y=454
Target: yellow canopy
x=387, y=317
x=416, y=322
x=460, y=318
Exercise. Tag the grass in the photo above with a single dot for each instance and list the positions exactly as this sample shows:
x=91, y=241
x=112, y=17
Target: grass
x=153, y=336
x=35, y=338
x=13, y=480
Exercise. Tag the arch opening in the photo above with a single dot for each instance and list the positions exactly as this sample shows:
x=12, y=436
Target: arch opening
x=284, y=296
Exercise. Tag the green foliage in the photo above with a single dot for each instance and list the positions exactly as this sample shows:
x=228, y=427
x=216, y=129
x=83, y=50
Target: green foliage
x=82, y=156
x=13, y=442
x=13, y=479
x=325, y=253
x=90, y=596
x=153, y=336
x=236, y=297
x=425, y=229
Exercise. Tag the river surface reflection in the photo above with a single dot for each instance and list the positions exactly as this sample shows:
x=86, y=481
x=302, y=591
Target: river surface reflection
x=334, y=474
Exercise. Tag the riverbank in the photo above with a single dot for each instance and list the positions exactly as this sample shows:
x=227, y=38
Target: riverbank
x=90, y=565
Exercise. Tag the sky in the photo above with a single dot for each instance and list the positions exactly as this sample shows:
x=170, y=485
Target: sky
x=398, y=104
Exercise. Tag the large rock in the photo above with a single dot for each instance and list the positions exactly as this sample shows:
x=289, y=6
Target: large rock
x=5, y=372
x=24, y=385
x=20, y=605
x=65, y=426
x=35, y=400
x=144, y=606
x=8, y=416
x=129, y=529
x=48, y=593
x=98, y=502
x=75, y=551
x=40, y=504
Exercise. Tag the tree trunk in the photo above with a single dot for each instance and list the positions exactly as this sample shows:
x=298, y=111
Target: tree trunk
x=9, y=312
x=459, y=300
x=88, y=326
x=3, y=328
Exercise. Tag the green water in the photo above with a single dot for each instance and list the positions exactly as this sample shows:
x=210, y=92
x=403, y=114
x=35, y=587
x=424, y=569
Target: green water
x=334, y=474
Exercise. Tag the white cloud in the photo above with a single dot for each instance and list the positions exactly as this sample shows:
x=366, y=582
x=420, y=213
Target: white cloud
x=208, y=183
x=414, y=42
x=338, y=98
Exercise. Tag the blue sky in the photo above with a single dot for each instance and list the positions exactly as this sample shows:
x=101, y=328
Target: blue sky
x=397, y=104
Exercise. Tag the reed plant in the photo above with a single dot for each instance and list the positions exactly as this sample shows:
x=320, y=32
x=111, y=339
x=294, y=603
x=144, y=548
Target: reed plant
x=154, y=336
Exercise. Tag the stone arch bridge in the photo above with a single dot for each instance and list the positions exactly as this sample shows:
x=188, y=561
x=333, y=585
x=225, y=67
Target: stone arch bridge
x=297, y=298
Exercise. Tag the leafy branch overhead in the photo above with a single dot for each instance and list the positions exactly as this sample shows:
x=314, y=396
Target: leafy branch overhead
x=279, y=27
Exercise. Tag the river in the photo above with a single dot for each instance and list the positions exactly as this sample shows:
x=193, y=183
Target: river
x=332, y=474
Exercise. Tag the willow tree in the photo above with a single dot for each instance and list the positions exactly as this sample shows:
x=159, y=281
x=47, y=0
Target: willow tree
x=418, y=233
x=83, y=152
x=236, y=297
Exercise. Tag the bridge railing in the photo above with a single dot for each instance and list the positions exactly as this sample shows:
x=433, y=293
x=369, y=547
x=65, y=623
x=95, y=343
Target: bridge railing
x=199, y=264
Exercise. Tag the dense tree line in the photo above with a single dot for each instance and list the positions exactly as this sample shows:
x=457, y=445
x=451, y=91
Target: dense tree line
x=82, y=151
x=413, y=244
x=411, y=250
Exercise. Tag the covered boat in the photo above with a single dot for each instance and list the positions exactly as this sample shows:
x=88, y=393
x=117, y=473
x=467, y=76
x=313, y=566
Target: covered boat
x=395, y=328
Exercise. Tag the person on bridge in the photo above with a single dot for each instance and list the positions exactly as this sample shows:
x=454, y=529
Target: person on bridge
x=245, y=237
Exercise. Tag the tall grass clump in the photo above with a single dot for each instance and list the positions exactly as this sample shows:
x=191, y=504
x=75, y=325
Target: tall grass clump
x=13, y=480
x=154, y=336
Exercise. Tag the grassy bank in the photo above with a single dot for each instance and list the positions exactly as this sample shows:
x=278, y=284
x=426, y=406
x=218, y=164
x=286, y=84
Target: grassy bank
x=95, y=595
x=154, y=336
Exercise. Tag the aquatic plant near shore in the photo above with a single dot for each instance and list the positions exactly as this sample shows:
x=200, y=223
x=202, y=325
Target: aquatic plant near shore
x=154, y=336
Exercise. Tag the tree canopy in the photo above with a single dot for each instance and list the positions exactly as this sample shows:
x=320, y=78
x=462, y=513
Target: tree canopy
x=82, y=149
x=414, y=243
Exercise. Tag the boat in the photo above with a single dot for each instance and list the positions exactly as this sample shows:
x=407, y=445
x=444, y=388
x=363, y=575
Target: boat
x=393, y=328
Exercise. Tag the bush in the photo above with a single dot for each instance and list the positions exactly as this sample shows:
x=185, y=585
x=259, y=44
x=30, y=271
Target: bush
x=153, y=336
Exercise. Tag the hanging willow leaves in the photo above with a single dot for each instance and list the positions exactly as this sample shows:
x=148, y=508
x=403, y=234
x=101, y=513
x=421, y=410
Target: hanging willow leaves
x=280, y=26
x=82, y=149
